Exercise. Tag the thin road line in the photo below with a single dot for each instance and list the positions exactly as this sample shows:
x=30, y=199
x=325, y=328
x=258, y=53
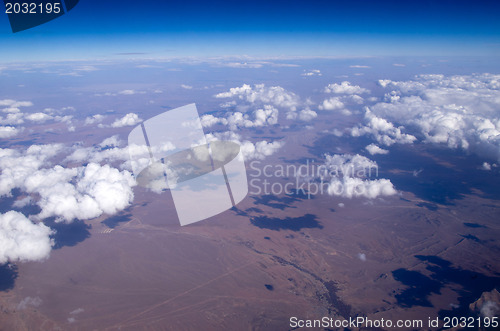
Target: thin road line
x=181, y=294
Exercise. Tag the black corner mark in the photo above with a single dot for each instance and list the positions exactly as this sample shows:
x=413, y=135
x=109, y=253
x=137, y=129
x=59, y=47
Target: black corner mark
x=26, y=14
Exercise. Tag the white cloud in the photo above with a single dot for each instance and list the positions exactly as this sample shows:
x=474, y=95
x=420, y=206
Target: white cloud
x=345, y=88
x=268, y=115
x=8, y=131
x=110, y=188
x=17, y=166
x=362, y=256
x=98, y=118
x=486, y=166
x=21, y=240
x=374, y=149
x=384, y=82
x=349, y=187
x=16, y=117
x=314, y=72
x=332, y=104
x=83, y=192
x=359, y=66
x=349, y=177
x=187, y=87
x=127, y=92
x=210, y=120
x=260, y=94
x=383, y=131
x=38, y=117
x=107, y=151
x=356, y=99
x=15, y=104
x=260, y=149
x=128, y=120
x=457, y=111
x=11, y=110
x=305, y=115
x=113, y=141
x=80, y=193
x=250, y=150
x=12, y=119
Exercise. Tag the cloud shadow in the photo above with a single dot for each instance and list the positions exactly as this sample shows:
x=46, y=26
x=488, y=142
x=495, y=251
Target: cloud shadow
x=308, y=221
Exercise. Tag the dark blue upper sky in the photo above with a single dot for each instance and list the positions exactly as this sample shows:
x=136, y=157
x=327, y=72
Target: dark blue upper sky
x=107, y=29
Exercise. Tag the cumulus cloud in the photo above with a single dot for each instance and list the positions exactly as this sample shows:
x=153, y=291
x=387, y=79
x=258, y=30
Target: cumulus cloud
x=345, y=88
x=268, y=115
x=383, y=131
x=128, y=120
x=374, y=149
x=186, y=87
x=15, y=116
x=38, y=117
x=12, y=119
x=98, y=154
x=21, y=240
x=82, y=192
x=16, y=166
x=98, y=118
x=314, y=72
x=113, y=141
x=211, y=120
x=362, y=256
x=305, y=115
x=349, y=187
x=261, y=94
x=332, y=104
x=349, y=177
x=456, y=111
x=8, y=131
x=488, y=166
x=13, y=104
x=258, y=150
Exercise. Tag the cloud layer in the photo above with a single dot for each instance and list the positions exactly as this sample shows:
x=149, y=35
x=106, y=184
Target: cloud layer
x=456, y=111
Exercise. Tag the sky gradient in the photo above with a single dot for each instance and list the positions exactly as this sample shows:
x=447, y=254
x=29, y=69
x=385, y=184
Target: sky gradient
x=154, y=29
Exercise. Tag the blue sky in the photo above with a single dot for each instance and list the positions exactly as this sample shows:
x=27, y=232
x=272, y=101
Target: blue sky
x=156, y=29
